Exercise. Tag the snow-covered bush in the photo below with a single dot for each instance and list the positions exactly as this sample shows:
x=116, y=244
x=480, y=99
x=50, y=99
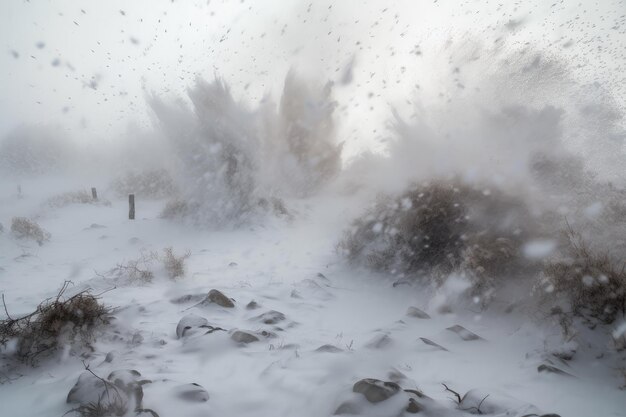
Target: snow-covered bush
x=56, y=322
x=74, y=197
x=440, y=227
x=585, y=282
x=231, y=160
x=144, y=268
x=24, y=228
x=156, y=183
x=174, y=265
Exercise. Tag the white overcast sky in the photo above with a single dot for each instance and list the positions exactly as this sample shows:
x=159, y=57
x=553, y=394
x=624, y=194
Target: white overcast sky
x=86, y=65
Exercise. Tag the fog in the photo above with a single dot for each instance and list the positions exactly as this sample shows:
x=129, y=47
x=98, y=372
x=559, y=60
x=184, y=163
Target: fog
x=352, y=166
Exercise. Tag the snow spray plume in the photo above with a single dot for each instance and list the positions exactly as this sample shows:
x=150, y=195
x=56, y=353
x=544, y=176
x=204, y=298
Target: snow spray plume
x=232, y=160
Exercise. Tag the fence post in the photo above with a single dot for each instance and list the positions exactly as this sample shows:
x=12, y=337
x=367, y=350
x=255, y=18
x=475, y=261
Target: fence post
x=94, y=193
x=131, y=206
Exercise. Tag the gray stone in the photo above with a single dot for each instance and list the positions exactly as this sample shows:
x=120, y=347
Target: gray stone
x=252, y=305
x=347, y=408
x=190, y=324
x=192, y=392
x=270, y=317
x=127, y=381
x=417, y=313
x=552, y=370
x=381, y=341
x=188, y=298
x=217, y=297
x=87, y=389
x=329, y=349
x=433, y=344
x=464, y=333
x=243, y=337
x=376, y=390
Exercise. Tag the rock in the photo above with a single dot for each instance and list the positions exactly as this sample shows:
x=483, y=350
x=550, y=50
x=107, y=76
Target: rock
x=379, y=342
x=270, y=317
x=396, y=376
x=375, y=390
x=553, y=370
x=243, y=337
x=188, y=324
x=192, y=392
x=188, y=298
x=347, y=408
x=127, y=381
x=433, y=344
x=329, y=349
x=217, y=297
x=414, y=407
x=252, y=305
x=417, y=313
x=87, y=389
x=110, y=357
x=464, y=333
x=267, y=334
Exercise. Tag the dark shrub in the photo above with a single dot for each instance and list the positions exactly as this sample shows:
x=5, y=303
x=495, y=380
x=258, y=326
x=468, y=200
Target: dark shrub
x=440, y=227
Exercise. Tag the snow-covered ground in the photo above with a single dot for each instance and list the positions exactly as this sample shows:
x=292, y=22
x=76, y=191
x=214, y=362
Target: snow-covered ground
x=287, y=267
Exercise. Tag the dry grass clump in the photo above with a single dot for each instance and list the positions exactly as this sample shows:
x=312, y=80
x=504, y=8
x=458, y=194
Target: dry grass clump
x=55, y=322
x=441, y=227
x=148, y=184
x=585, y=283
x=174, y=265
x=142, y=269
x=24, y=228
x=139, y=270
x=112, y=408
x=74, y=197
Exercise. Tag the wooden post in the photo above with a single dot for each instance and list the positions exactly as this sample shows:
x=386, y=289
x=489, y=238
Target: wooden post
x=131, y=206
x=94, y=193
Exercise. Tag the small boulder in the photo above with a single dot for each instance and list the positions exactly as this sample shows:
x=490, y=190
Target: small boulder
x=192, y=392
x=329, y=349
x=87, y=389
x=376, y=390
x=380, y=341
x=433, y=344
x=464, y=333
x=417, y=313
x=270, y=317
x=545, y=368
x=217, y=297
x=252, y=305
x=190, y=324
x=243, y=337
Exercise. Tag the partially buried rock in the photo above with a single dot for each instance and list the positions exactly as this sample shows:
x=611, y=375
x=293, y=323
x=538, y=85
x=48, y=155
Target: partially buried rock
x=329, y=349
x=270, y=317
x=252, y=305
x=380, y=341
x=217, y=297
x=417, y=313
x=87, y=389
x=464, y=333
x=376, y=390
x=243, y=337
x=433, y=344
x=127, y=381
x=192, y=392
x=552, y=370
x=189, y=323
